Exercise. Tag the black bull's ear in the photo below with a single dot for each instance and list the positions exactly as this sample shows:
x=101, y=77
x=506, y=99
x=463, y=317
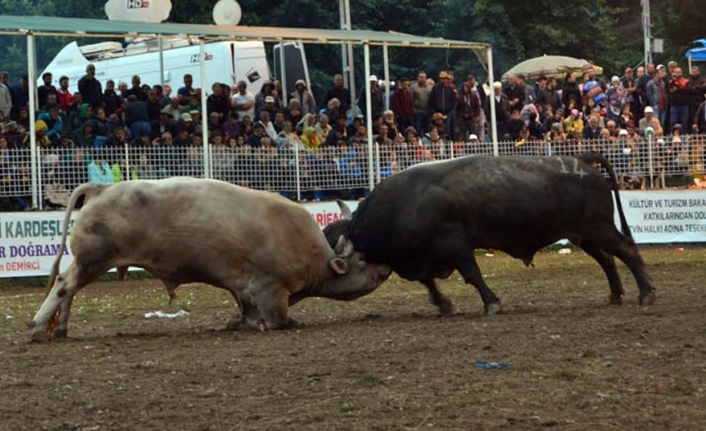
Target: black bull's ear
x=347, y=213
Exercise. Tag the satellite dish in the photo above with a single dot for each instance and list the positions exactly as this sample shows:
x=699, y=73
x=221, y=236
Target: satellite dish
x=138, y=10
x=227, y=12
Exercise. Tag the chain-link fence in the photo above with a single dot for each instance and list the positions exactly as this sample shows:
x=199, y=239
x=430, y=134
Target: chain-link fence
x=325, y=173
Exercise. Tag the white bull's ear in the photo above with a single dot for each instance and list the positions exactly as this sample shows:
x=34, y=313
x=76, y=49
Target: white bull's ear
x=339, y=265
x=347, y=213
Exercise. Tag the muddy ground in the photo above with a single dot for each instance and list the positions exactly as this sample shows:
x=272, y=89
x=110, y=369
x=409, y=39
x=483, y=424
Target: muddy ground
x=385, y=361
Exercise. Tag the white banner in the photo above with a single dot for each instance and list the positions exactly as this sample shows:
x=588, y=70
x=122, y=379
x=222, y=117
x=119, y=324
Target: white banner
x=670, y=216
x=29, y=241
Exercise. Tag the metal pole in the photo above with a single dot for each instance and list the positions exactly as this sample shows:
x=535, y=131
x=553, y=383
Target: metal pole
x=351, y=68
x=204, y=111
x=387, y=76
x=298, y=173
x=161, y=62
x=39, y=179
x=283, y=77
x=31, y=76
x=344, y=50
x=646, y=27
x=493, y=116
x=127, y=162
x=369, y=115
x=650, y=150
x=377, y=162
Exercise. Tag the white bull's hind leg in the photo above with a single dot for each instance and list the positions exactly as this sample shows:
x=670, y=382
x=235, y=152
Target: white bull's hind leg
x=64, y=311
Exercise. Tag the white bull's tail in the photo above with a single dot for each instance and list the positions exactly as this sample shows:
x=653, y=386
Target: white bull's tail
x=89, y=190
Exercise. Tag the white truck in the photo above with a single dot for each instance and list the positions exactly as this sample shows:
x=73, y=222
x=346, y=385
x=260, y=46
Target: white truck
x=226, y=62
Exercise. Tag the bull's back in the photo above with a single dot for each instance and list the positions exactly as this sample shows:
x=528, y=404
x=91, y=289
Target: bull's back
x=194, y=222
x=515, y=204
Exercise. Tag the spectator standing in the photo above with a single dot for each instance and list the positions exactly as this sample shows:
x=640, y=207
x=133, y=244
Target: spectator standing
x=217, y=102
x=442, y=99
x=617, y=98
x=530, y=94
x=420, y=98
x=267, y=100
x=644, y=76
x=5, y=96
x=502, y=109
x=467, y=112
x=515, y=94
x=657, y=95
x=629, y=83
x=571, y=91
x=113, y=102
x=548, y=95
x=185, y=93
x=243, y=101
x=376, y=101
x=343, y=94
x=90, y=88
x=45, y=89
x=697, y=85
x=304, y=96
x=680, y=94
x=20, y=96
x=63, y=95
x=403, y=105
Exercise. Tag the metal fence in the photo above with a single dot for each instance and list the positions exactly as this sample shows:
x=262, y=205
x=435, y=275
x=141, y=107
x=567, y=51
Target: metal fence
x=325, y=173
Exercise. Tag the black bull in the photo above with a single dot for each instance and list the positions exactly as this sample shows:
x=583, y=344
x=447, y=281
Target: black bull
x=426, y=221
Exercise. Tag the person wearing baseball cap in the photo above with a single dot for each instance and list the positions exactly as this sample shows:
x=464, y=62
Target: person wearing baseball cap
x=649, y=120
x=376, y=99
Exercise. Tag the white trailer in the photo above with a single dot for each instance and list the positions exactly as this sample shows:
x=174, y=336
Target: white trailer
x=226, y=62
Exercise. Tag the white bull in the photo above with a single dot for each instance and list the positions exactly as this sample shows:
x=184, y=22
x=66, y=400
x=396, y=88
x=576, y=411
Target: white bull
x=267, y=251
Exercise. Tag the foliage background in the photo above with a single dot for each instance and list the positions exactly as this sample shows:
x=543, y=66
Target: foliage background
x=607, y=32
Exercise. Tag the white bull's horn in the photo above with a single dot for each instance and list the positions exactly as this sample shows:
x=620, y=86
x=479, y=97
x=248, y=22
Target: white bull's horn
x=340, y=245
x=347, y=249
x=347, y=214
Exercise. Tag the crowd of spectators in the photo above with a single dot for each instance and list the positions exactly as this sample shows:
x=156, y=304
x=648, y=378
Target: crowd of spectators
x=261, y=139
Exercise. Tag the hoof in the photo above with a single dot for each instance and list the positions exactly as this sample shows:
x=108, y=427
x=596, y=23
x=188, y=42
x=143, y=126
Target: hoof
x=446, y=308
x=648, y=299
x=61, y=333
x=243, y=325
x=616, y=300
x=292, y=323
x=38, y=337
x=492, y=308
x=233, y=325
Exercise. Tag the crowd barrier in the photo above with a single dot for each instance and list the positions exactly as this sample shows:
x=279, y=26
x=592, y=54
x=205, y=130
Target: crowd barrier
x=322, y=174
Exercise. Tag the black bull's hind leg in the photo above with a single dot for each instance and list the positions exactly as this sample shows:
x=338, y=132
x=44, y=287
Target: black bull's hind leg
x=607, y=262
x=624, y=248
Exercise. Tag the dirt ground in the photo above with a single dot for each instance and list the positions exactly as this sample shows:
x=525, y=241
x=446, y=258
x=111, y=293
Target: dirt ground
x=383, y=362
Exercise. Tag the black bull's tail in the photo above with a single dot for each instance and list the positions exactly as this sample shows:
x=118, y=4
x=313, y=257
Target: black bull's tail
x=592, y=158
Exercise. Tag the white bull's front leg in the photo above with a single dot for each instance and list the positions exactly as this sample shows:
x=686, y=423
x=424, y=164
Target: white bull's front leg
x=60, y=297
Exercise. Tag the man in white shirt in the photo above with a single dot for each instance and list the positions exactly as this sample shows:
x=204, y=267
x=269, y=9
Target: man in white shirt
x=5, y=95
x=243, y=101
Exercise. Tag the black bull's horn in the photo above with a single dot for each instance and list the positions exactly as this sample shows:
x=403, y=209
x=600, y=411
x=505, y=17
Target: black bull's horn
x=347, y=213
